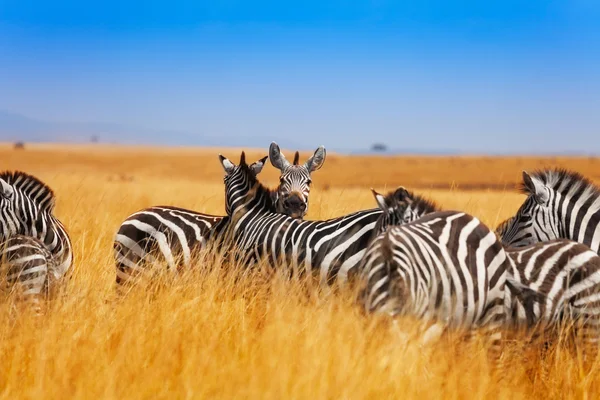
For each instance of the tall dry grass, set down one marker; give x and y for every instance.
(220, 333)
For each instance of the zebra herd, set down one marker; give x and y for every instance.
(537, 270)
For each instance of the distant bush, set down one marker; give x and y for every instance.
(379, 147)
(20, 146)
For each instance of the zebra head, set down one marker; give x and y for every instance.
(395, 206)
(294, 182)
(401, 207)
(537, 220)
(241, 186)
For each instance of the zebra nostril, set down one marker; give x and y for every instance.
(303, 206)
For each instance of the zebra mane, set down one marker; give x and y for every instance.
(563, 181)
(32, 187)
(502, 226)
(257, 185)
(416, 201)
(296, 158)
(423, 204)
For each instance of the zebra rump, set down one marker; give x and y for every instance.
(27, 265)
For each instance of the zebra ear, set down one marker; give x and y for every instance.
(317, 160)
(380, 199)
(536, 188)
(6, 190)
(401, 194)
(228, 166)
(257, 166)
(277, 158)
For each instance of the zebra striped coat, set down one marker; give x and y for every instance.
(26, 208)
(565, 278)
(445, 266)
(546, 282)
(330, 249)
(27, 265)
(171, 235)
(560, 204)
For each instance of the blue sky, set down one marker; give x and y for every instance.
(506, 76)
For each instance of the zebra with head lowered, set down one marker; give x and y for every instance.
(35, 244)
(546, 282)
(560, 204)
(172, 234)
(330, 249)
(436, 265)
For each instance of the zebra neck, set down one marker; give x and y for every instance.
(258, 199)
(580, 225)
(413, 214)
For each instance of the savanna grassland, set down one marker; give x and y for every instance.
(214, 332)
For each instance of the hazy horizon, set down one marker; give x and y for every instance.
(503, 77)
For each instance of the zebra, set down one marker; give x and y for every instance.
(545, 282)
(503, 226)
(330, 249)
(26, 208)
(443, 266)
(294, 182)
(28, 264)
(560, 204)
(564, 277)
(171, 235)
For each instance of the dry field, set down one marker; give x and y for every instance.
(214, 333)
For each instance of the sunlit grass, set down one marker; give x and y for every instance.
(218, 331)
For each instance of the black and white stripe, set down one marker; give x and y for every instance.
(171, 235)
(546, 282)
(26, 208)
(294, 183)
(560, 204)
(27, 265)
(503, 226)
(330, 249)
(445, 266)
(565, 278)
